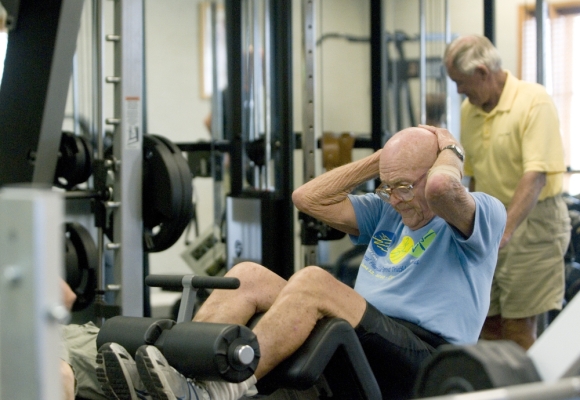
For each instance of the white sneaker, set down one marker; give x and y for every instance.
(162, 380)
(117, 373)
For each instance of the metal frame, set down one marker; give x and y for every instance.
(127, 149)
(31, 309)
(129, 260)
(489, 20)
(38, 67)
(541, 32)
(309, 122)
(379, 134)
(277, 211)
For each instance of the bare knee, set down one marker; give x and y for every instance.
(245, 268)
(492, 328)
(310, 279)
(68, 380)
(254, 276)
(523, 331)
(308, 288)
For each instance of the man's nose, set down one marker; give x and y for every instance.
(394, 199)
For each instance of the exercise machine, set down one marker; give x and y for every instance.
(31, 309)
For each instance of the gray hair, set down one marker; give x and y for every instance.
(466, 53)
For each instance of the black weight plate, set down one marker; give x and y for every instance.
(74, 164)
(164, 210)
(84, 280)
(175, 229)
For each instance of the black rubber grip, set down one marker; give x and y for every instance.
(199, 282)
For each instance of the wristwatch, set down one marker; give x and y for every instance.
(456, 149)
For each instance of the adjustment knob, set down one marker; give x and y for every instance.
(244, 354)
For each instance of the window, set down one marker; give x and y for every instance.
(563, 59)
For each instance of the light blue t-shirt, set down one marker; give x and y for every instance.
(433, 276)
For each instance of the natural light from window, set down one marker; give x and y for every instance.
(562, 81)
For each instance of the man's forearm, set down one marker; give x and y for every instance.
(524, 200)
(321, 197)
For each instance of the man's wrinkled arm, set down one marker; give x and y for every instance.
(444, 191)
(326, 196)
(524, 200)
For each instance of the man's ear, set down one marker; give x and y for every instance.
(481, 72)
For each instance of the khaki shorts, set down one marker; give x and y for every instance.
(529, 277)
(80, 345)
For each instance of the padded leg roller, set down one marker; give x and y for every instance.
(196, 349)
(132, 332)
(211, 351)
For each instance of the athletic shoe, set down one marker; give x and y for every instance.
(117, 373)
(163, 381)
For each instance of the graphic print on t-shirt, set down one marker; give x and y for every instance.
(390, 256)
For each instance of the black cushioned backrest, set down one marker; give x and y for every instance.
(334, 350)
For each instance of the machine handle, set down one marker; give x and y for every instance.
(175, 282)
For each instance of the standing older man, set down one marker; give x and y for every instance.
(511, 135)
(425, 278)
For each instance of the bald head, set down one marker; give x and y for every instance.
(412, 149)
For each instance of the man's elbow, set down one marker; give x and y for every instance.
(298, 198)
(440, 189)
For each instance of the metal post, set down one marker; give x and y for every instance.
(308, 107)
(379, 71)
(99, 120)
(541, 17)
(422, 63)
(489, 20)
(216, 118)
(31, 262)
(278, 213)
(127, 150)
(233, 110)
(75, 96)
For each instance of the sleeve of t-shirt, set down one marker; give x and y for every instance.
(542, 148)
(489, 225)
(368, 209)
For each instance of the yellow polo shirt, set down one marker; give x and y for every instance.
(521, 134)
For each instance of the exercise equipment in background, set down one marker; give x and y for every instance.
(202, 350)
(167, 193)
(75, 161)
(81, 263)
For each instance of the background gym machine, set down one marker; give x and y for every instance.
(127, 193)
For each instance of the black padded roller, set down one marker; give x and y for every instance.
(132, 332)
(211, 351)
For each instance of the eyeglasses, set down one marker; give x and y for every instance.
(402, 192)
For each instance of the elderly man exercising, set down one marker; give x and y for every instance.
(424, 280)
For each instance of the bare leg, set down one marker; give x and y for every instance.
(492, 328)
(291, 309)
(258, 289)
(68, 381)
(310, 295)
(523, 331)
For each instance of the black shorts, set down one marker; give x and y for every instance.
(395, 349)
